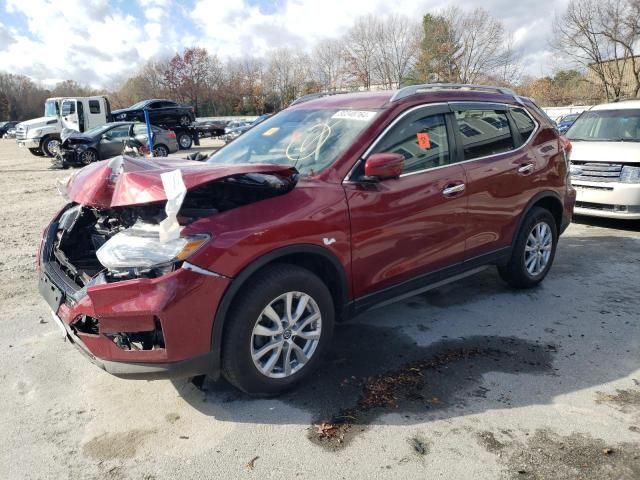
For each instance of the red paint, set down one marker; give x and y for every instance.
(139, 181)
(381, 233)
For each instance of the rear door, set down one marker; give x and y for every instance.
(500, 172)
(407, 227)
(95, 113)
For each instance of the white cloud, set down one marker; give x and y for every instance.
(97, 41)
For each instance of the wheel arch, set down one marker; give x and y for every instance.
(319, 260)
(548, 200)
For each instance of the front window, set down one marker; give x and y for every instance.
(68, 107)
(309, 140)
(95, 131)
(51, 109)
(139, 105)
(607, 126)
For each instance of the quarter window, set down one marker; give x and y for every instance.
(422, 141)
(484, 132)
(524, 122)
(94, 106)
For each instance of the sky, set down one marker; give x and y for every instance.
(101, 42)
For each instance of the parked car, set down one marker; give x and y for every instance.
(11, 133)
(232, 133)
(161, 113)
(6, 126)
(210, 128)
(243, 264)
(565, 122)
(107, 140)
(605, 160)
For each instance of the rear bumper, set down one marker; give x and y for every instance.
(178, 307)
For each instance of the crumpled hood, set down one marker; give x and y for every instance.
(74, 135)
(124, 180)
(615, 152)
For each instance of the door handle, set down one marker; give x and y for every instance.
(451, 190)
(526, 169)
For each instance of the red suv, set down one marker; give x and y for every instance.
(242, 265)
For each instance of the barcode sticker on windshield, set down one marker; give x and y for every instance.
(361, 115)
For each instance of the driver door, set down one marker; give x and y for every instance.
(406, 228)
(111, 142)
(69, 114)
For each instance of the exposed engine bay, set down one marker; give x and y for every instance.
(100, 245)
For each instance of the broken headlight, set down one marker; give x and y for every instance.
(140, 248)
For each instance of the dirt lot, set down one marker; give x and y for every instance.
(469, 381)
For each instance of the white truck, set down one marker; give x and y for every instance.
(42, 135)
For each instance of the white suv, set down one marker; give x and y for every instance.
(605, 160)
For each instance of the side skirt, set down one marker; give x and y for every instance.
(428, 281)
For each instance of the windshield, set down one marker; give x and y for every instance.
(607, 126)
(51, 108)
(138, 105)
(309, 140)
(95, 131)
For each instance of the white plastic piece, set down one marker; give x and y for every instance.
(362, 115)
(175, 190)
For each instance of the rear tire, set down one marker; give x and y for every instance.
(184, 141)
(534, 250)
(304, 333)
(37, 152)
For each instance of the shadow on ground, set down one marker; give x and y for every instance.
(373, 370)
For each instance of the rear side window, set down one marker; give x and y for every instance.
(524, 122)
(94, 106)
(484, 133)
(421, 141)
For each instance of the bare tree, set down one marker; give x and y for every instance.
(361, 50)
(328, 64)
(398, 48)
(603, 36)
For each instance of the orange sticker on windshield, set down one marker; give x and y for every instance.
(271, 131)
(423, 140)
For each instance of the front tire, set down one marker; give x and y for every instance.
(277, 331)
(88, 156)
(534, 250)
(160, 151)
(50, 145)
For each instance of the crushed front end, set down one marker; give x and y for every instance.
(114, 263)
(147, 321)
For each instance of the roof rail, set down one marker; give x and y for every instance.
(414, 89)
(313, 96)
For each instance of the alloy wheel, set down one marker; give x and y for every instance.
(286, 335)
(537, 250)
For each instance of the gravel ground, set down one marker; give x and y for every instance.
(472, 380)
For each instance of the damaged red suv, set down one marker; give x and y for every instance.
(242, 265)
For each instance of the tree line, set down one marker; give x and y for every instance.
(381, 52)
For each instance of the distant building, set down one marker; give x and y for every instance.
(615, 69)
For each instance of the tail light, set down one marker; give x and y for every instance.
(171, 134)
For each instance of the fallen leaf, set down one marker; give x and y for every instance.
(252, 463)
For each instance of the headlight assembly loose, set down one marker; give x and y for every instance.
(139, 247)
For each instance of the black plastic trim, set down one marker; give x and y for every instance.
(422, 282)
(244, 275)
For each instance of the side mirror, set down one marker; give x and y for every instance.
(105, 136)
(381, 166)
